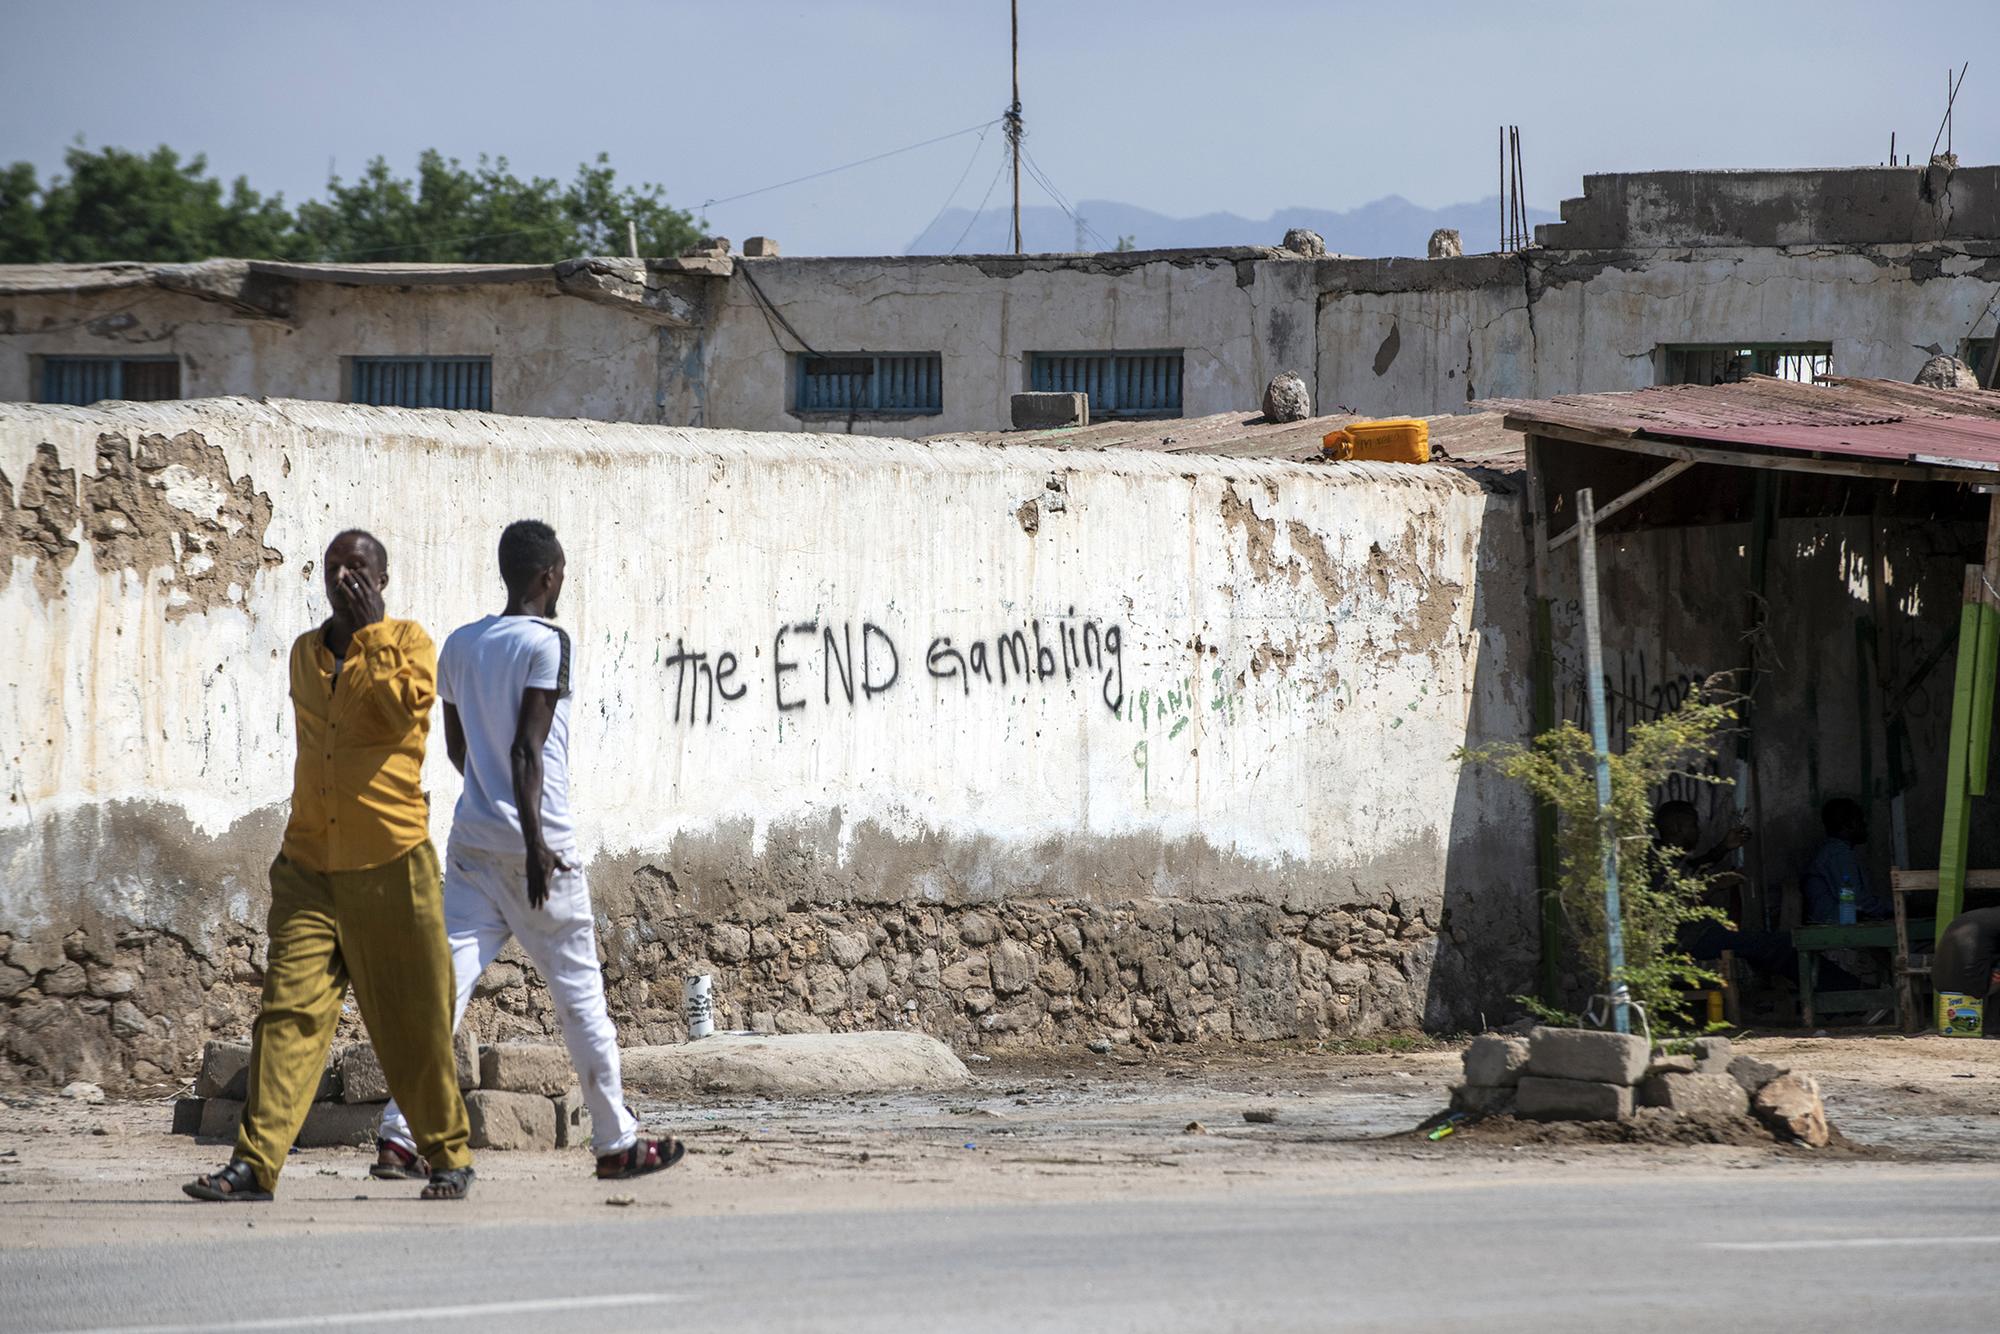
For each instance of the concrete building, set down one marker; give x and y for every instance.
(1650, 278)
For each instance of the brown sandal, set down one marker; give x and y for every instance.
(393, 1162)
(451, 1183)
(235, 1183)
(645, 1156)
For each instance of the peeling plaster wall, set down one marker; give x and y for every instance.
(1187, 684)
(1428, 336)
(553, 355)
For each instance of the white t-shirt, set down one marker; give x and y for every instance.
(482, 672)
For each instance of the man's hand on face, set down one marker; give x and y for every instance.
(543, 863)
(362, 599)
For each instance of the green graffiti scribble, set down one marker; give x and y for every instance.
(1145, 772)
(1178, 725)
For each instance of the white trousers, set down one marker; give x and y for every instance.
(485, 903)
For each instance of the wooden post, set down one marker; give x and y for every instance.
(1953, 839)
(1971, 717)
(1014, 119)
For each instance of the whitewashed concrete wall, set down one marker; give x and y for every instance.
(553, 355)
(1235, 684)
(1404, 336)
(1238, 317)
(1387, 337)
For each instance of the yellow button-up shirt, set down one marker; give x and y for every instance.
(357, 788)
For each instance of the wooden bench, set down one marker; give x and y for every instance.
(1813, 941)
(1902, 884)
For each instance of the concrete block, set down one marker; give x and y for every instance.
(1670, 1065)
(797, 1065)
(1540, 1098)
(572, 1121)
(465, 1050)
(1713, 1055)
(187, 1115)
(220, 1118)
(1482, 1101)
(1494, 1061)
(525, 1067)
(361, 1077)
(332, 1125)
(1587, 1055)
(1686, 1093)
(225, 1070)
(502, 1120)
(1753, 1074)
(1048, 412)
(328, 1124)
(760, 247)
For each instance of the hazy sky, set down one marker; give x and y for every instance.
(1183, 106)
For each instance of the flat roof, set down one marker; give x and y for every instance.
(1472, 440)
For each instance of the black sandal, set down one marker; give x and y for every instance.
(449, 1183)
(645, 1155)
(236, 1182)
(393, 1162)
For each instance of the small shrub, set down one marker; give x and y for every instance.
(1657, 897)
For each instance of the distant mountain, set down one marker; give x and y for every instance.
(1389, 226)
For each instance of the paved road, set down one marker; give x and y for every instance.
(1863, 1249)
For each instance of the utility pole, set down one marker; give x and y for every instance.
(1013, 119)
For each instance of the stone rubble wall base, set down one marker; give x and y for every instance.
(131, 1009)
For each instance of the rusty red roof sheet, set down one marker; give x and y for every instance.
(1881, 421)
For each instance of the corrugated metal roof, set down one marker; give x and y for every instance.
(1876, 421)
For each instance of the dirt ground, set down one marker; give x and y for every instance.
(1054, 1127)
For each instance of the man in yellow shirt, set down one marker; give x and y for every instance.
(355, 891)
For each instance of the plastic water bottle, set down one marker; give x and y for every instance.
(1847, 914)
(698, 1001)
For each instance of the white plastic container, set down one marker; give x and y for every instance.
(698, 1004)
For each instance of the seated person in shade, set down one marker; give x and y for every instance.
(1834, 885)
(1968, 961)
(1677, 830)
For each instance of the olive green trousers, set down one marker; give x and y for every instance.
(383, 929)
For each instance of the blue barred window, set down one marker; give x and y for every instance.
(423, 382)
(1120, 384)
(870, 384)
(91, 379)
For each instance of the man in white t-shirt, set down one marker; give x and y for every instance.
(505, 685)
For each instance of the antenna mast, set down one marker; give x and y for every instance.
(1013, 119)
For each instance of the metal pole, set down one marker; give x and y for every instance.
(1014, 124)
(1600, 742)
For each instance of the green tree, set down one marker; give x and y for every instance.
(1656, 896)
(23, 238)
(117, 205)
(486, 215)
